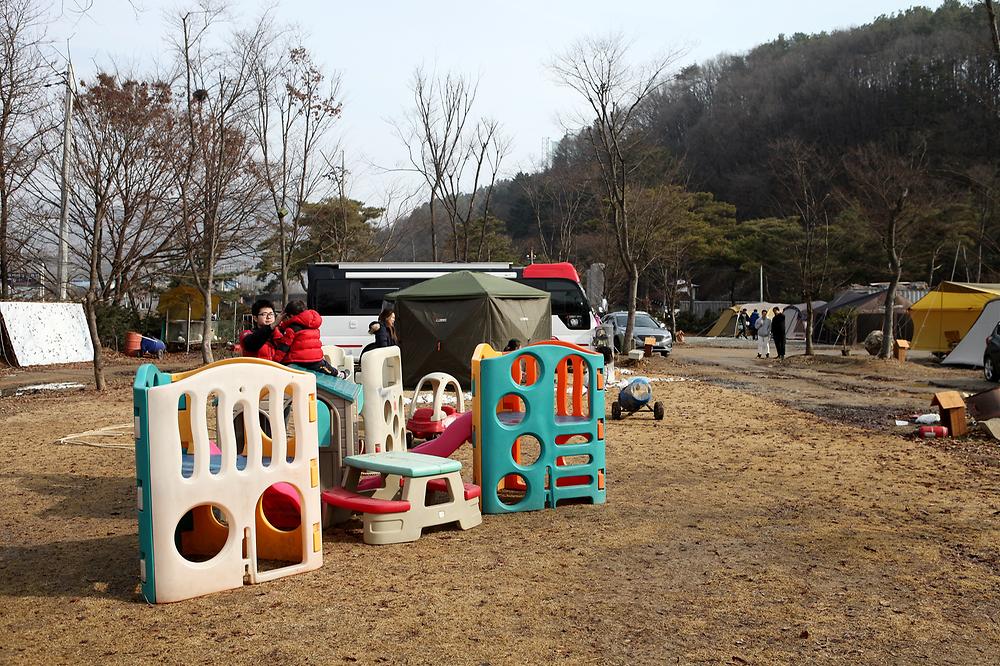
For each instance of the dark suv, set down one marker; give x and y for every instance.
(991, 358)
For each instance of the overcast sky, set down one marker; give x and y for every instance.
(376, 44)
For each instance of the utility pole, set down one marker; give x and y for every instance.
(63, 272)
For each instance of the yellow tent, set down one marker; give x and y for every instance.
(943, 317)
(725, 325)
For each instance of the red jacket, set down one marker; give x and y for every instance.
(266, 350)
(297, 339)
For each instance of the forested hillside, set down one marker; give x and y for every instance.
(793, 149)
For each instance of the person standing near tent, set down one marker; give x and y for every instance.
(763, 328)
(754, 316)
(385, 336)
(778, 332)
(742, 324)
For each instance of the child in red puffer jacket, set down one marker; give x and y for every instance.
(297, 339)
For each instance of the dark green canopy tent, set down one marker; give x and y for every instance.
(440, 321)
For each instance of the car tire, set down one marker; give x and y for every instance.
(990, 370)
(658, 411)
(664, 354)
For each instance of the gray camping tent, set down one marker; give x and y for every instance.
(863, 309)
(440, 321)
(972, 347)
(795, 315)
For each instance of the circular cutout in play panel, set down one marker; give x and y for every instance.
(281, 504)
(511, 410)
(512, 489)
(526, 451)
(202, 533)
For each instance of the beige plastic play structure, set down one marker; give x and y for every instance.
(437, 383)
(343, 362)
(181, 475)
(383, 414)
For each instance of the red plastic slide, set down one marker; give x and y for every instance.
(445, 444)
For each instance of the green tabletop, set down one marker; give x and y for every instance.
(403, 463)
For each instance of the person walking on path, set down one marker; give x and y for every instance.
(778, 332)
(754, 317)
(764, 336)
(742, 324)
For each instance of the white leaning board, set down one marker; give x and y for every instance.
(47, 333)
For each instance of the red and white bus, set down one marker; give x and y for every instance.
(349, 295)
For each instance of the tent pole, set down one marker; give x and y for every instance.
(762, 283)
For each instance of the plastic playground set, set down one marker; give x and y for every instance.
(242, 463)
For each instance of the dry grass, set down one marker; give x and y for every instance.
(736, 531)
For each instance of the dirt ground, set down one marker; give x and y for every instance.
(775, 516)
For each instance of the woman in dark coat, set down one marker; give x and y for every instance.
(385, 336)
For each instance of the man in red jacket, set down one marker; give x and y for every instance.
(297, 339)
(258, 342)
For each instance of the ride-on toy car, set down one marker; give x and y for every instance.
(428, 422)
(634, 397)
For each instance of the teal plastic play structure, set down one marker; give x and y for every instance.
(553, 392)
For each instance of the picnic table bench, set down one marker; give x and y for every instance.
(398, 511)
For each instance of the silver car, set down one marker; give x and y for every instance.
(645, 327)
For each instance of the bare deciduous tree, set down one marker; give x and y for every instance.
(666, 235)
(23, 121)
(559, 196)
(614, 89)
(296, 104)
(120, 210)
(892, 193)
(466, 198)
(217, 193)
(807, 181)
(433, 133)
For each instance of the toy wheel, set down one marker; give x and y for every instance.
(658, 411)
(616, 410)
